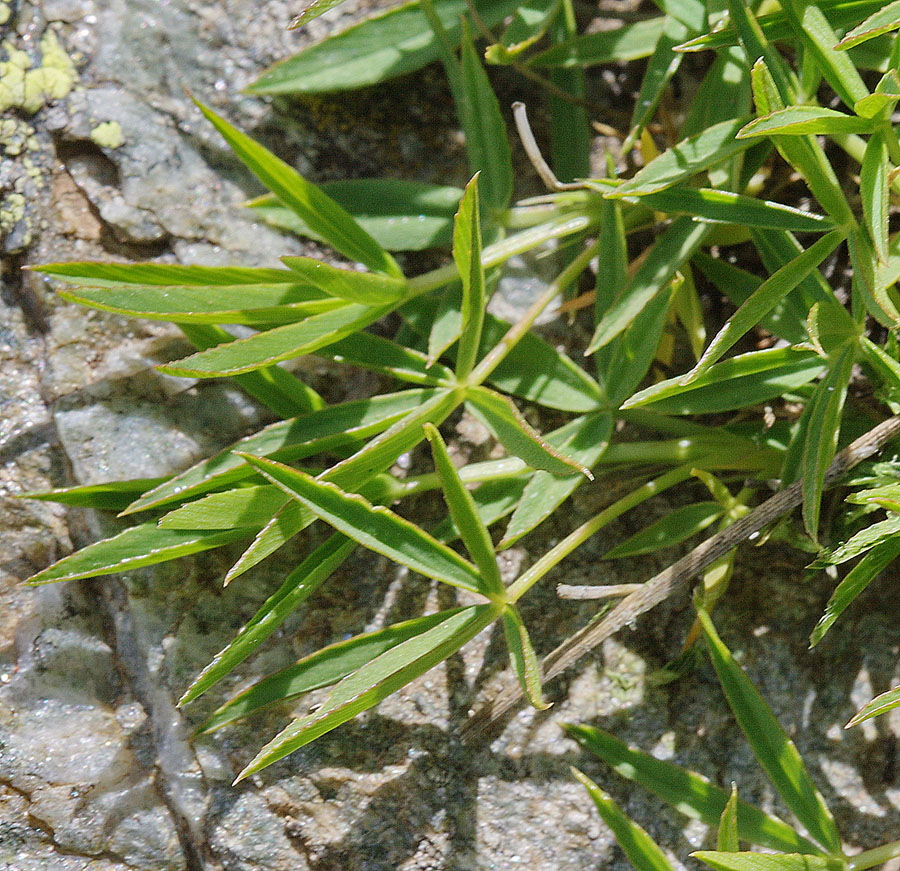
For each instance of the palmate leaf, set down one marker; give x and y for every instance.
(374, 527)
(297, 586)
(323, 668)
(467, 254)
(347, 423)
(378, 679)
(319, 211)
(399, 214)
(386, 45)
(642, 851)
(689, 793)
(465, 516)
(775, 751)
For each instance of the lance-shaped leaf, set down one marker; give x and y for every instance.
(682, 161)
(243, 506)
(311, 11)
(472, 530)
(288, 521)
(493, 501)
(677, 244)
(629, 42)
(318, 210)
(881, 704)
(822, 436)
(376, 680)
(886, 19)
(730, 208)
(297, 586)
(113, 496)
(771, 745)
(727, 833)
(323, 668)
(642, 851)
(868, 283)
(676, 527)
(858, 578)
(374, 527)
(486, 143)
(143, 545)
(816, 35)
(522, 657)
(160, 274)
(365, 287)
(389, 358)
(584, 439)
(528, 25)
(383, 46)
(338, 425)
(399, 214)
(882, 100)
(688, 792)
(767, 861)
(805, 120)
(467, 254)
(769, 293)
(278, 344)
(738, 382)
(502, 417)
(866, 539)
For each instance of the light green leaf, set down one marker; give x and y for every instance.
(467, 255)
(465, 516)
(376, 680)
(346, 423)
(691, 13)
(288, 521)
(365, 287)
(677, 526)
(162, 274)
(874, 190)
(641, 850)
(771, 745)
(502, 417)
(522, 657)
(374, 527)
(677, 244)
(312, 10)
(383, 46)
(769, 293)
(278, 344)
(528, 25)
(738, 382)
(689, 793)
(143, 545)
(858, 578)
(864, 540)
(727, 835)
(113, 496)
(214, 304)
(882, 100)
(584, 439)
(297, 586)
(493, 501)
(447, 324)
(886, 19)
(323, 668)
(381, 355)
(319, 211)
(868, 283)
(767, 861)
(629, 42)
(244, 506)
(805, 120)
(695, 154)
(881, 704)
(399, 214)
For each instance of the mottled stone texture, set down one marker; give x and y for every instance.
(97, 769)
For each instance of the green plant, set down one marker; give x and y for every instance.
(664, 233)
(694, 796)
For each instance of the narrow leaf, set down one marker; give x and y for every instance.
(364, 287)
(864, 540)
(886, 19)
(727, 835)
(771, 745)
(113, 496)
(389, 358)
(467, 255)
(881, 704)
(522, 658)
(115, 274)
(245, 506)
(629, 42)
(318, 210)
(767, 861)
(677, 526)
(640, 849)
(805, 120)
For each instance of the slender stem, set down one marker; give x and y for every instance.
(873, 857)
(475, 473)
(498, 353)
(576, 538)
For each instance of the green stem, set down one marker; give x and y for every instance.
(575, 539)
(876, 856)
(498, 353)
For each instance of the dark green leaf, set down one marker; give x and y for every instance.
(467, 255)
(677, 526)
(767, 861)
(630, 42)
(113, 496)
(727, 835)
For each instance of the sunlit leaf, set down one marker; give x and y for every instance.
(522, 657)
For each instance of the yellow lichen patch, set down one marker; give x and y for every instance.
(30, 89)
(12, 77)
(108, 134)
(12, 210)
(5, 13)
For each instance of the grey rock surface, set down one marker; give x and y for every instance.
(98, 771)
